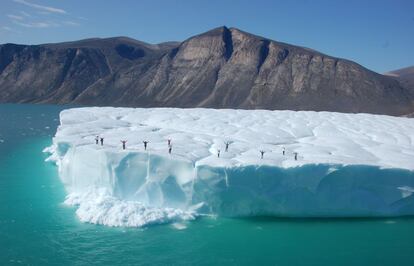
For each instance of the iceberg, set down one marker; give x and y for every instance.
(346, 165)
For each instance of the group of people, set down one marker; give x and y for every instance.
(97, 140)
(227, 143)
(145, 142)
(262, 152)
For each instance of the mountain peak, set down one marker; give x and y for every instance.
(213, 32)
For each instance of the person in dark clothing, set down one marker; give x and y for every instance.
(218, 153)
(145, 144)
(169, 142)
(296, 156)
(262, 153)
(97, 140)
(123, 144)
(227, 145)
(284, 151)
(169, 149)
(102, 139)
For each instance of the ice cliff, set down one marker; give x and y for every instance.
(348, 165)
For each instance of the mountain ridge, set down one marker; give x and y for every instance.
(404, 75)
(220, 68)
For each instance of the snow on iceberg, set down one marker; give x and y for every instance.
(348, 165)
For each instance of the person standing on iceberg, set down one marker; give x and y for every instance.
(262, 152)
(102, 139)
(169, 149)
(123, 144)
(227, 145)
(145, 144)
(296, 156)
(97, 140)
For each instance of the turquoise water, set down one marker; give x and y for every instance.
(36, 229)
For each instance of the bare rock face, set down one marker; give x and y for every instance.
(222, 68)
(405, 76)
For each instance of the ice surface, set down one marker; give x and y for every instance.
(348, 164)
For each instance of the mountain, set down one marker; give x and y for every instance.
(405, 76)
(222, 68)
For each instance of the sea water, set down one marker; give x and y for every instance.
(37, 229)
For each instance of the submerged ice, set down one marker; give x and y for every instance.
(347, 164)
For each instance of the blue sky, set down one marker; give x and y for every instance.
(377, 34)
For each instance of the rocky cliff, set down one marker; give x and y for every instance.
(222, 68)
(405, 76)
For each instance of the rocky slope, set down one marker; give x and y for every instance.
(405, 76)
(222, 68)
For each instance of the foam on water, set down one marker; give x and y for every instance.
(348, 164)
(100, 207)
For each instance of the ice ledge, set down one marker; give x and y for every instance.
(198, 134)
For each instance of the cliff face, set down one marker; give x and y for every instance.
(222, 68)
